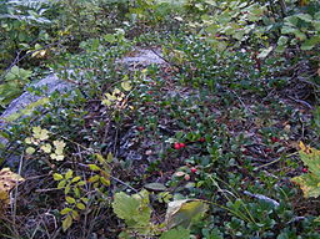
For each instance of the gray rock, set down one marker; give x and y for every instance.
(144, 57)
(52, 83)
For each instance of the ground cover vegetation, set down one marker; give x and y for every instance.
(219, 141)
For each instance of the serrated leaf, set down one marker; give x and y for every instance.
(59, 146)
(133, 209)
(180, 233)
(46, 148)
(309, 184)
(41, 134)
(184, 212)
(57, 157)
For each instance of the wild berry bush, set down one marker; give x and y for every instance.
(204, 145)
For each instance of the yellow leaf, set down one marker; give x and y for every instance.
(8, 180)
(46, 148)
(126, 86)
(39, 133)
(30, 150)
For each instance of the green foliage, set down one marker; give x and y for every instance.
(40, 139)
(218, 122)
(309, 182)
(13, 84)
(179, 233)
(136, 212)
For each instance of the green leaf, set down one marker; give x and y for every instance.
(61, 184)
(126, 86)
(310, 43)
(67, 189)
(69, 174)
(283, 40)
(104, 181)
(264, 53)
(75, 215)
(81, 206)
(125, 206)
(309, 183)
(305, 17)
(46, 148)
(180, 233)
(41, 134)
(17, 73)
(76, 192)
(70, 200)
(65, 211)
(81, 183)
(184, 212)
(157, 187)
(67, 222)
(94, 167)
(57, 177)
(133, 209)
(30, 150)
(75, 179)
(94, 179)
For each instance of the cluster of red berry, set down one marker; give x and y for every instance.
(179, 145)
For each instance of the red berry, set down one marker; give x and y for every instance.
(275, 139)
(193, 170)
(305, 170)
(150, 92)
(140, 128)
(202, 140)
(267, 150)
(177, 145)
(246, 152)
(182, 145)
